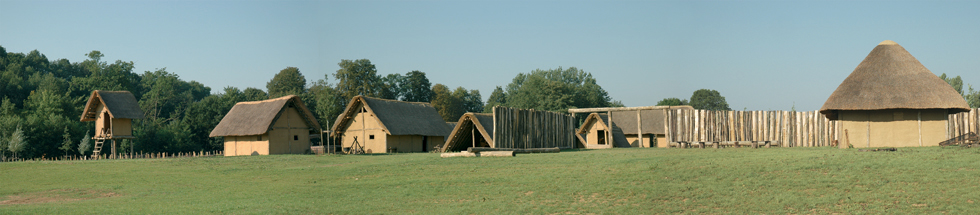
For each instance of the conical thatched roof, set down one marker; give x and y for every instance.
(890, 78)
(256, 117)
(121, 105)
(396, 117)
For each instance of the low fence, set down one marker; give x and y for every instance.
(779, 128)
(138, 155)
(964, 123)
(523, 128)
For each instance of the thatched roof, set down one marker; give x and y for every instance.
(121, 105)
(461, 137)
(257, 117)
(891, 78)
(396, 117)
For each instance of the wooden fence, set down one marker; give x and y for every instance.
(522, 128)
(963, 123)
(778, 128)
(137, 155)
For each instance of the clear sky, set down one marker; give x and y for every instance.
(761, 55)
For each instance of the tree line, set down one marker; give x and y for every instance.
(41, 100)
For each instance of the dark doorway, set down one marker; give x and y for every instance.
(602, 137)
(425, 143)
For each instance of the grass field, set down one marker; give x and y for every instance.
(613, 181)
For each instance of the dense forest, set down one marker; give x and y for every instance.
(42, 100)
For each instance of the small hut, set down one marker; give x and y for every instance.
(372, 125)
(113, 113)
(472, 130)
(892, 100)
(276, 126)
(630, 126)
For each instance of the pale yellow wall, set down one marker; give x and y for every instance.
(362, 126)
(289, 134)
(414, 143)
(122, 127)
(662, 141)
(247, 145)
(99, 120)
(893, 128)
(634, 141)
(591, 133)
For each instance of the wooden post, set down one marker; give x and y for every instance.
(609, 128)
(639, 129)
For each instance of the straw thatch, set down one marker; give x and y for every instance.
(891, 78)
(120, 105)
(257, 117)
(461, 137)
(396, 117)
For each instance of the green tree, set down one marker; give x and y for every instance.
(358, 77)
(448, 106)
(392, 87)
(83, 145)
(328, 103)
(672, 102)
(706, 99)
(956, 83)
(556, 90)
(289, 81)
(496, 98)
(472, 101)
(254, 94)
(66, 143)
(972, 97)
(17, 142)
(416, 87)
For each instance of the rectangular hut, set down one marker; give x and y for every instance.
(276, 126)
(513, 128)
(372, 125)
(113, 113)
(628, 126)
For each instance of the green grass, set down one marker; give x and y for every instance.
(616, 181)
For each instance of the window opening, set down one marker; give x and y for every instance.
(371, 137)
(295, 137)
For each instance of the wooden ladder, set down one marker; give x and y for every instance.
(98, 147)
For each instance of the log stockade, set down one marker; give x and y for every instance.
(524, 129)
(708, 128)
(963, 123)
(137, 155)
(518, 151)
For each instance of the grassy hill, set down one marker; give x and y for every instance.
(619, 181)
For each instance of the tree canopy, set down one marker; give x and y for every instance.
(706, 99)
(556, 90)
(672, 102)
(288, 81)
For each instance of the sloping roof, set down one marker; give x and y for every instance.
(256, 117)
(619, 138)
(397, 117)
(461, 138)
(891, 78)
(121, 105)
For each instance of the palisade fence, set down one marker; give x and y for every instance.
(777, 128)
(523, 128)
(964, 123)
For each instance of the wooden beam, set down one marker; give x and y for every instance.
(608, 109)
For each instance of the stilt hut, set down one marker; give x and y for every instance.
(628, 126)
(372, 125)
(276, 126)
(472, 130)
(113, 113)
(892, 100)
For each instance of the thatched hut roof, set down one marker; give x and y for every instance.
(396, 117)
(891, 78)
(653, 120)
(461, 136)
(121, 105)
(257, 117)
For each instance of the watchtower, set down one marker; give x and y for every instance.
(113, 113)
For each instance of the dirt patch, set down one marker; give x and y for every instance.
(60, 195)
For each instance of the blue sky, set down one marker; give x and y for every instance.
(761, 55)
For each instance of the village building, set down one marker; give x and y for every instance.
(892, 100)
(372, 125)
(629, 126)
(113, 113)
(472, 130)
(276, 126)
